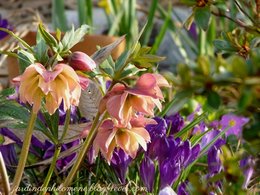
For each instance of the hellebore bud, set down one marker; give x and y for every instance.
(81, 61)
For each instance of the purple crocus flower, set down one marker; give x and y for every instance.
(157, 130)
(234, 123)
(192, 115)
(210, 136)
(182, 188)
(147, 173)
(120, 162)
(9, 156)
(62, 163)
(178, 156)
(214, 163)
(175, 123)
(4, 24)
(169, 172)
(247, 165)
(167, 191)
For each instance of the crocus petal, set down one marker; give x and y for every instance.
(147, 173)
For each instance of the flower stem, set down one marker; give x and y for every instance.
(56, 153)
(81, 154)
(24, 153)
(51, 169)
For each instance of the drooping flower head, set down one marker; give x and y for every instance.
(55, 86)
(123, 102)
(110, 136)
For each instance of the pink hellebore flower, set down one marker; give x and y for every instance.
(61, 83)
(111, 136)
(122, 102)
(81, 61)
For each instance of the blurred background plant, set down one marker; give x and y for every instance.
(212, 51)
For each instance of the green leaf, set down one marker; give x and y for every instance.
(202, 17)
(221, 45)
(13, 114)
(121, 61)
(204, 65)
(49, 39)
(103, 53)
(189, 21)
(213, 99)
(238, 66)
(174, 105)
(245, 99)
(25, 59)
(72, 37)
(130, 71)
(59, 19)
(7, 92)
(191, 125)
(148, 29)
(107, 68)
(41, 49)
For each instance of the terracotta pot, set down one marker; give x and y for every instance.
(88, 46)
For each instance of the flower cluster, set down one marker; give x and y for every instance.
(127, 108)
(172, 154)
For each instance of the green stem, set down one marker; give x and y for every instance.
(56, 153)
(24, 154)
(17, 38)
(51, 169)
(66, 125)
(81, 154)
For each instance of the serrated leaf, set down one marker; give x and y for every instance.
(202, 17)
(89, 101)
(102, 54)
(72, 37)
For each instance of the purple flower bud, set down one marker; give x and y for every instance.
(185, 152)
(157, 130)
(169, 172)
(120, 162)
(147, 173)
(193, 154)
(214, 163)
(176, 123)
(247, 165)
(81, 61)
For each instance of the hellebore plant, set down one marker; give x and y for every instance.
(130, 132)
